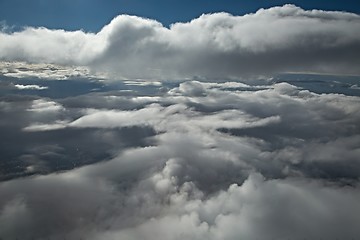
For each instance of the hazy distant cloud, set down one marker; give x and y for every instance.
(43, 71)
(279, 39)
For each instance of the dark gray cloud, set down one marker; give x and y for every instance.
(279, 39)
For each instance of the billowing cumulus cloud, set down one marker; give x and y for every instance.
(279, 39)
(159, 205)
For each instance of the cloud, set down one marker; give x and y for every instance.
(45, 127)
(32, 87)
(219, 45)
(41, 105)
(159, 205)
(195, 160)
(176, 115)
(277, 129)
(110, 119)
(43, 71)
(256, 209)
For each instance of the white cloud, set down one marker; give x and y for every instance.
(113, 119)
(36, 127)
(42, 105)
(279, 39)
(140, 82)
(175, 117)
(43, 71)
(32, 87)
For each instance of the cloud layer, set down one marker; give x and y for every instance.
(279, 39)
(193, 160)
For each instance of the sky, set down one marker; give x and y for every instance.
(92, 15)
(179, 120)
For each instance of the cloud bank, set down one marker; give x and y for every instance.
(219, 45)
(194, 160)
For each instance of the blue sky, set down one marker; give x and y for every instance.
(91, 15)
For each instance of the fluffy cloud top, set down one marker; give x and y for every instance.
(279, 39)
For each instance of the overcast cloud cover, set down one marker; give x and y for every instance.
(147, 157)
(279, 39)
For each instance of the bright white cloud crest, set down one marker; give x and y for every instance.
(279, 39)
